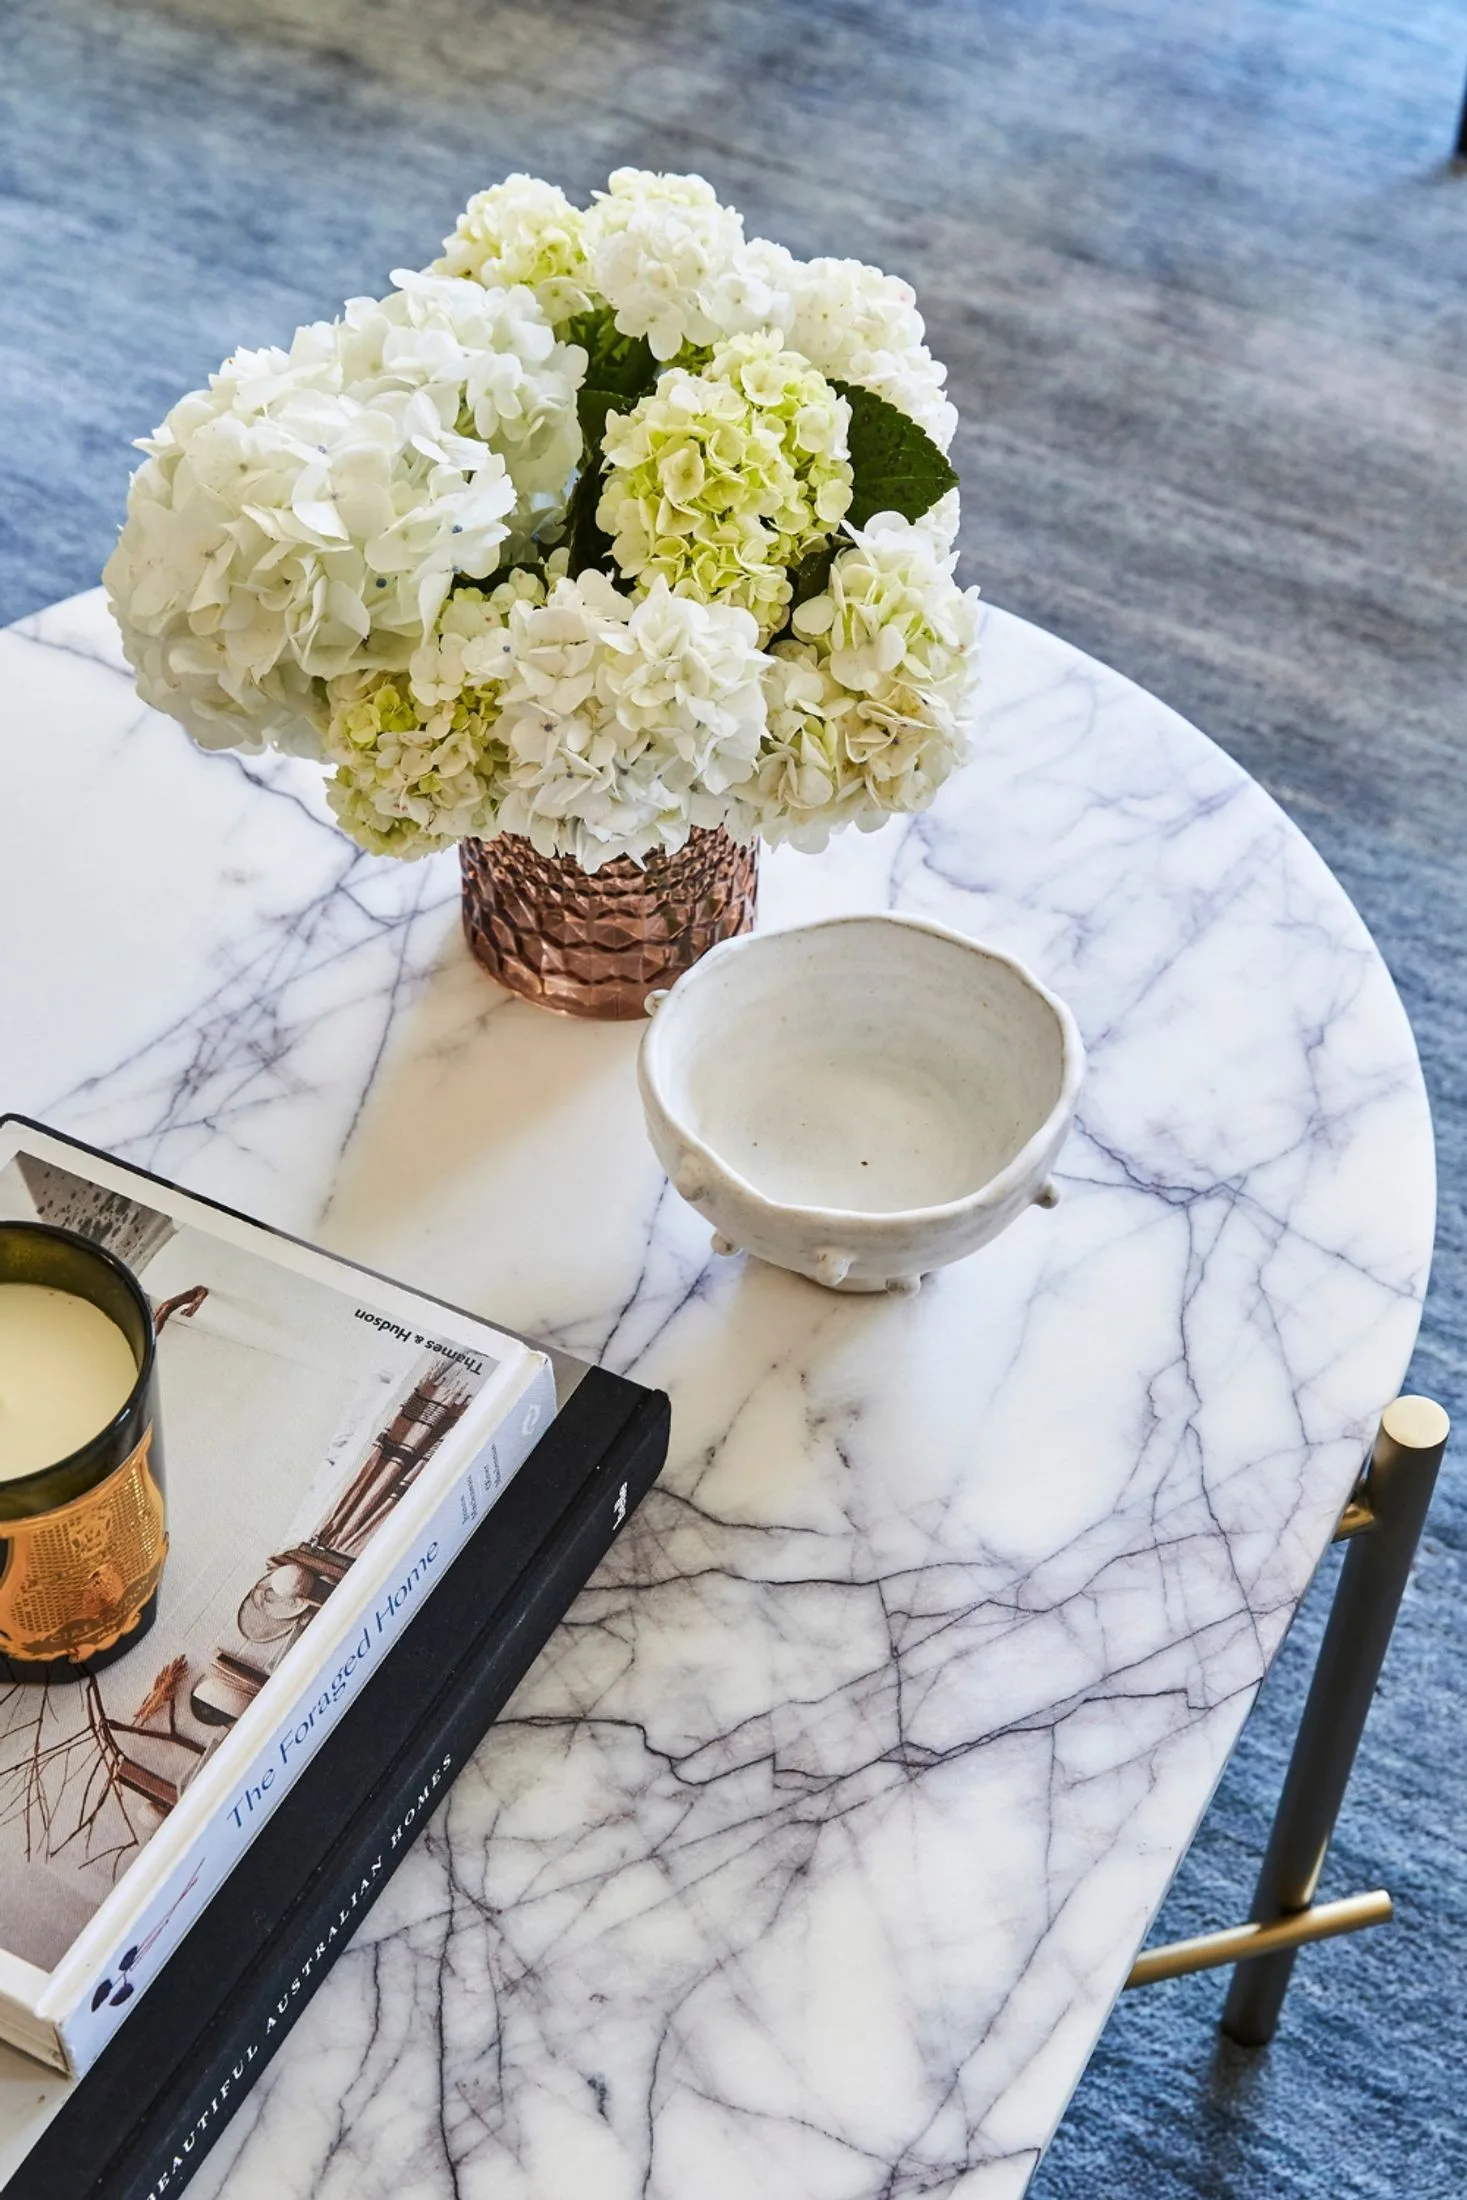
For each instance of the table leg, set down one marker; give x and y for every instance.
(1383, 1525)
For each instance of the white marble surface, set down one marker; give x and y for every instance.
(809, 1859)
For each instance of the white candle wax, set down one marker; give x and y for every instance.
(65, 1370)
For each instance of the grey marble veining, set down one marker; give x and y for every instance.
(811, 1855)
(1199, 273)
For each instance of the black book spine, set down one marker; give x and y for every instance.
(473, 1672)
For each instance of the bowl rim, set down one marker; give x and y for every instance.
(990, 1194)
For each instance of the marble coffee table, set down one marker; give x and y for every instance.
(809, 1859)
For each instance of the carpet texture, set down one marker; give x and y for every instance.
(1199, 269)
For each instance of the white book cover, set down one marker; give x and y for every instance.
(329, 1443)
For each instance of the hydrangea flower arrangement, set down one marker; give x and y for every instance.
(610, 525)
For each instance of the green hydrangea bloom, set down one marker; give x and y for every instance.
(418, 755)
(721, 479)
(868, 700)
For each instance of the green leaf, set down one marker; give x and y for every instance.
(895, 465)
(619, 370)
(589, 547)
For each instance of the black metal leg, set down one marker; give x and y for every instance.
(1462, 131)
(1384, 1532)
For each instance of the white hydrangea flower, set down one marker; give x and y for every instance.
(867, 703)
(672, 263)
(283, 530)
(307, 513)
(469, 647)
(595, 726)
(804, 787)
(524, 231)
(858, 325)
(626, 722)
(487, 360)
(940, 522)
(752, 292)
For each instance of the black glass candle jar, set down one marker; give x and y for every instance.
(83, 1540)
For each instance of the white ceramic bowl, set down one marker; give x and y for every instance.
(861, 1100)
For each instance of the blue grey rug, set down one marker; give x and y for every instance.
(1198, 269)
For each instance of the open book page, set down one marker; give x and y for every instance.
(294, 1417)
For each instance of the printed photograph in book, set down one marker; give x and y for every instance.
(295, 1419)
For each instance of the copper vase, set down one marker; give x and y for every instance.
(596, 943)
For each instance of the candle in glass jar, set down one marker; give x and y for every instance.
(66, 1370)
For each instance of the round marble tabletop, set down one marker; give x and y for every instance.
(811, 1855)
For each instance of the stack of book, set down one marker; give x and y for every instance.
(379, 1507)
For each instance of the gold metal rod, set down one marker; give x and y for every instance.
(1398, 1484)
(1236, 1943)
(1357, 1516)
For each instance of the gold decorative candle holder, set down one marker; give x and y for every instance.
(83, 1541)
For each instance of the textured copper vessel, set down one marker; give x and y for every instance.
(597, 943)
